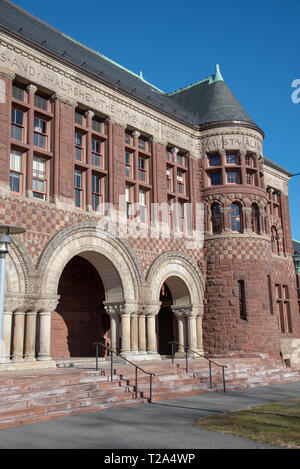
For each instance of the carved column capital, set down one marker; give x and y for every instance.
(64, 99)
(7, 74)
(12, 305)
(136, 134)
(31, 89)
(113, 309)
(151, 310)
(89, 114)
(47, 305)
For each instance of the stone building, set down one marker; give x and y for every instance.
(84, 141)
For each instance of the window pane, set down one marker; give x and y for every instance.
(18, 93)
(15, 182)
(40, 102)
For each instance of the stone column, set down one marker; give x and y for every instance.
(113, 312)
(134, 333)
(10, 306)
(199, 319)
(7, 329)
(18, 336)
(125, 313)
(30, 335)
(179, 314)
(45, 309)
(142, 332)
(191, 329)
(151, 313)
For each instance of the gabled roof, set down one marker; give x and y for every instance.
(205, 102)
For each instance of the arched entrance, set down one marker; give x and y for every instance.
(80, 318)
(166, 327)
(82, 252)
(175, 276)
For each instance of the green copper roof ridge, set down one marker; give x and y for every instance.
(139, 76)
(188, 86)
(211, 79)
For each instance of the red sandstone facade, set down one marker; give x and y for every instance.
(61, 159)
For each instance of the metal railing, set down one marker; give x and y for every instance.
(187, 350)
(111, 354)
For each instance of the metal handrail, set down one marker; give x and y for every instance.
(188, 349)
(112, 352)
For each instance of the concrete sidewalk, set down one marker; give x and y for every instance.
(163, 425)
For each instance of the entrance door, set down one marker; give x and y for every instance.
(80, 318)
(165, 322)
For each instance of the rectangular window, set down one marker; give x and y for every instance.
(181, 182)
(250, 179)
(128, 194)
(39, 178)
(127, 138)
(231, 158)
(181, 216)
(215, 179)
(214, 160)
(143, 169)
(40, 133)
(96, 125)
(40, 102)
(170, 214)
(232, 177)
(17, 126)
(97, 193)
(181, 160)
(242, 300)
(78, 118)
(18, 93)
(142, 143)
(79, 151)
(248, 160)
(283, 309)
(169, 176)
(270, 294)
(128, 165)
(97, 158)
(143, 206)
(78, 186)
(16, 172)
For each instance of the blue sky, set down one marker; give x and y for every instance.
(176, 43)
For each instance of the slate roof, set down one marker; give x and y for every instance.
(296, 247)
(205, 102)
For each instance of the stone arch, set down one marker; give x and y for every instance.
(112, 258)
(182, 276)
(18, 270)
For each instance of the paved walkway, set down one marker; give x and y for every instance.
(163, 425)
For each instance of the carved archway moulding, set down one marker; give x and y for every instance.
(84, 239)
(176, 265)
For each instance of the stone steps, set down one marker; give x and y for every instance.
(48, 394)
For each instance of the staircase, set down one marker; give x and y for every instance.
(28, 397)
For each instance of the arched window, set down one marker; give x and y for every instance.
(255, 225)
(275, 241)
(216, 219)
(236, 218)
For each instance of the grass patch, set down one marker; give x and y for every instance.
(276, 424)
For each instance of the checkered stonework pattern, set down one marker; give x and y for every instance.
(236, 249)
(42, 221)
